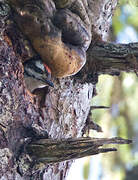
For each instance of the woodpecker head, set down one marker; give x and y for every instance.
(36, 74)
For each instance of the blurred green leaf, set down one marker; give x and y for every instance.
(86, 169)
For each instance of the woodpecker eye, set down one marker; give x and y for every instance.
(31, 66)
(38, 67)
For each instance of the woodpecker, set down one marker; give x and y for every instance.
(36, 74)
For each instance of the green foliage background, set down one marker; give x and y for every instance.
(121, 94)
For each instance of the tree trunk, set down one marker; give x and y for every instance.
(62, 111)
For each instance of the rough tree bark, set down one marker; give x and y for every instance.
(64, 111)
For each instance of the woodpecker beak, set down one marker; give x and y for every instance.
(49, 83)
(45, 79)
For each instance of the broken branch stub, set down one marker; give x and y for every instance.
(51, 151)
